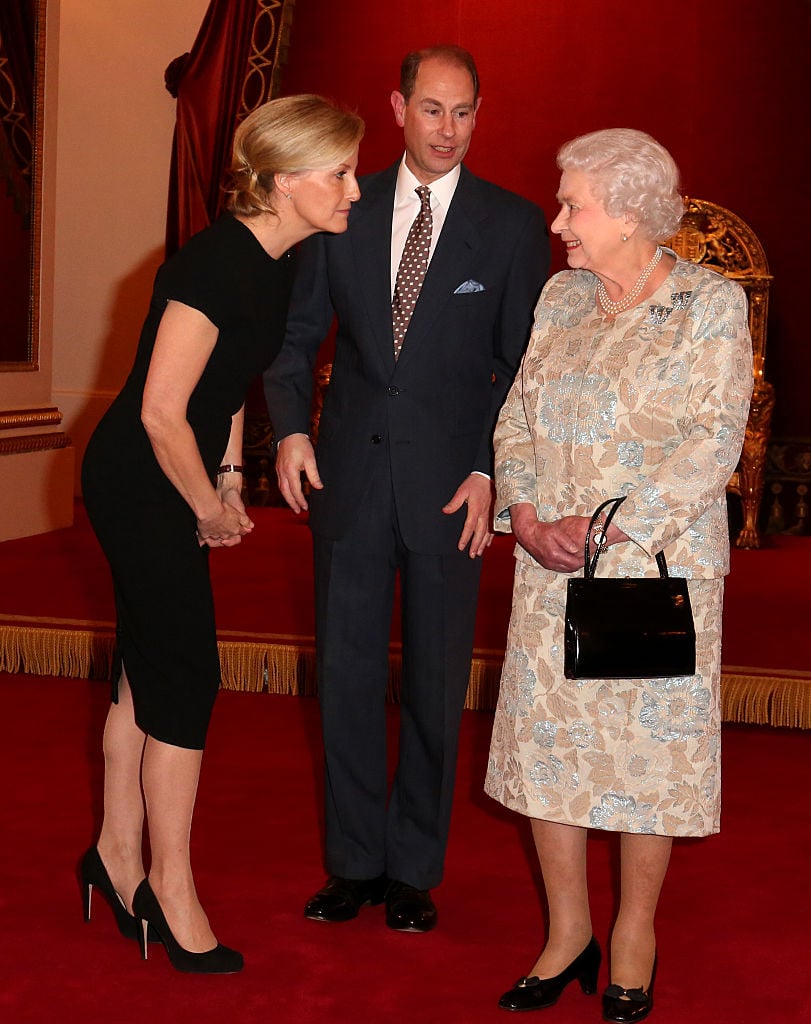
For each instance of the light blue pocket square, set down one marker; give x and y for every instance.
(469, 286)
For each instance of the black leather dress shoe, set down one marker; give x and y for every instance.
(538, 993)
(409, 909)
(340, 899)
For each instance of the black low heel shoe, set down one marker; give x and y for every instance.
(220, 960)
(627, 1005)
(92, 872)
(539, 993)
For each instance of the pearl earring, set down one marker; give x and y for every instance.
(625, 238)
(288, 195)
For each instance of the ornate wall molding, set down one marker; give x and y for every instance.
(28, 443)
(17, 136)
(20, 419)
(270, 39)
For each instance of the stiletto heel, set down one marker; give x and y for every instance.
(92, 872)
(628, 1005)
(538, 993)
(220, 960)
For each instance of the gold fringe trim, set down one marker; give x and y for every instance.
(485, 677)
(79, 654)
(778, 699)
(284, 665)
(275, 668)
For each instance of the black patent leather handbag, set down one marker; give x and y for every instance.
(626, 628)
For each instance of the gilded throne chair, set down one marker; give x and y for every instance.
(718, 238)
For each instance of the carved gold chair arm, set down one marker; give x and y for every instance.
(715, 237)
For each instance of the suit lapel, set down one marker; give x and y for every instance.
(460, 238)
(370, 236)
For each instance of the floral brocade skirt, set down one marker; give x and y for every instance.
(624, 755)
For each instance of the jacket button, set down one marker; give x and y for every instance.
(376, 439)
(393, 390)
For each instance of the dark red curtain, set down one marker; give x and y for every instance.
(231, 69)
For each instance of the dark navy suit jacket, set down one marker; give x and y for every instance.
(428, 416)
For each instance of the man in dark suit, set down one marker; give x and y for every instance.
(400, 478)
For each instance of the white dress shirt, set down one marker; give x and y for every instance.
(407, 206)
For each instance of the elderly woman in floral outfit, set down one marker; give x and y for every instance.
(636, 382)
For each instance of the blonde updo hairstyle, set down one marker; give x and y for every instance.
(287, 136)
(630, 173)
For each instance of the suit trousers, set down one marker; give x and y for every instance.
(369, 828)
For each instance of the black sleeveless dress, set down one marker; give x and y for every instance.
(166, 635)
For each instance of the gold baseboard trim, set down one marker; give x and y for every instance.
(770, 673)
(281, 664)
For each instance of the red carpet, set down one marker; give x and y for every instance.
(732, 928)
(56, 615)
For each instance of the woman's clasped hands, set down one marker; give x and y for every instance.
(559, 545)
(225, 527)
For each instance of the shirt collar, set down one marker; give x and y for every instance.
(442, 189)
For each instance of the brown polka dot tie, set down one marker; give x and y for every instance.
(411, 272)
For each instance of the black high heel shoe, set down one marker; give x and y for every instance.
(628, 1005)
(92, 872)
(220, 960)
(538, 993)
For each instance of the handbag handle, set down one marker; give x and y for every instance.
(590, 562)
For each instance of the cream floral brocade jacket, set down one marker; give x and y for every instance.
(652, 406)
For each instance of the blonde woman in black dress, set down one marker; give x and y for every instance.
(162, 480)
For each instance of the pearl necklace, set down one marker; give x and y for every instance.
(627, 300)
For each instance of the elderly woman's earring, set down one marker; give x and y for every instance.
(288, 195)
(625, 238)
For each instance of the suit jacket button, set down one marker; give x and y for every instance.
(393, 390)
(376, 439)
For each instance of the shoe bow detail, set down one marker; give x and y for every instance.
(635, 995)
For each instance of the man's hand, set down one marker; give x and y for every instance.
(294, 455)
(477, 492)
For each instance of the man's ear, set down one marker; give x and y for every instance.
(476, 106)
(398, 104)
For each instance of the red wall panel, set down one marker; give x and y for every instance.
(725, 85)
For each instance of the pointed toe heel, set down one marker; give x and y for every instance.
(220, 960)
